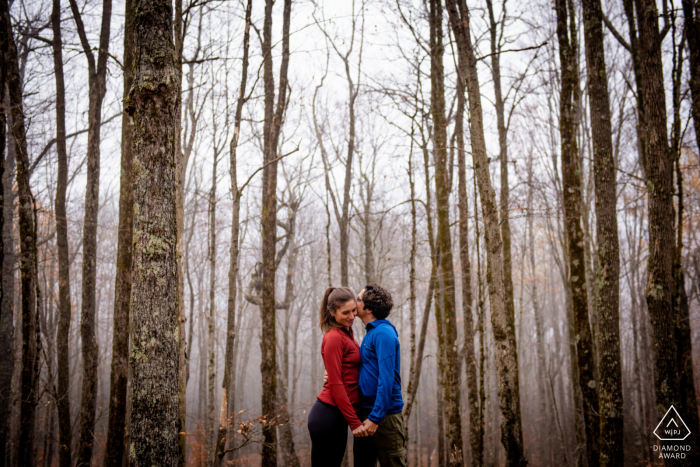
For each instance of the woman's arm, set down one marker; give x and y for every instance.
(333, 360)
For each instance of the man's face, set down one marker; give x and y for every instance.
(361, 312)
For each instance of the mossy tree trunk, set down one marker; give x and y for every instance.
(572, 198)
(607, 286)
(27, 234)
(502, 324)
(658, 164)
(153, 106)
(448, 361)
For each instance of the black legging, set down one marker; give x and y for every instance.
(329, 435)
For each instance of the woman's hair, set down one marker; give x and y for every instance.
(377, 300)
(333, 298)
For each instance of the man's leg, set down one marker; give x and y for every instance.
(389, 441)
(363, 449)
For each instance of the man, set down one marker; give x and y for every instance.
(380, 384)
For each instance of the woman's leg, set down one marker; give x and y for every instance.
(329, 435)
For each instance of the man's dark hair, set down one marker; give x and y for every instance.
(377, 300)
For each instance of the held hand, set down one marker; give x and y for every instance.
(370, 426)
(360, 432)
(325, 377)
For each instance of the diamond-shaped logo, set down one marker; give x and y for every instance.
(672, 427)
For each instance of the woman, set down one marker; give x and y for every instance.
(335, 407)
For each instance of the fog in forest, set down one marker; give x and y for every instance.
(182, 181)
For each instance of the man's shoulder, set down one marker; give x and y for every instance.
(386, 333)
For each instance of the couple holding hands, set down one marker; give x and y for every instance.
(363, 385)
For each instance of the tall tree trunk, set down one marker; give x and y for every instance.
(229, 364)
(97, 79)
(503, 151)
(7, 307)
(153, 106)
(691, 14)
(502, 324)
(64, 300)
(274, 115)
(607, 286)
(116, 428)
(211, 363)
(181, 160)
(659, 176)
(6, 326)
(475, 439)
(571, 192)
(449, 364)
(27, 242)
(417, 362)
(539, 331)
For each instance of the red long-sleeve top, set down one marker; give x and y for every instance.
(341, 356)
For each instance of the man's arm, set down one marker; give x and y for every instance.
(385, 346)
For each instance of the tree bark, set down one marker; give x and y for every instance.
(475, 439)
(229, 364)
(116, 428)
(691, 14)
(659, 177)
(503, 151)
(571, 192)
(274, 115)
(153, 106)
(539, 331)
(27, 243)
(6, 325)
(64, 301)
(607, 285)
(211, 363)
(97, 79)
(449, 363)
(502, 325)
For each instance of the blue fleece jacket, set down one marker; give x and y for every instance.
(380, 373)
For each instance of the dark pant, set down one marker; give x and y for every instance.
(386, 445)
(329, 435)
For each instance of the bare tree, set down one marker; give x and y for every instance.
(236, 193)
(449, 361)
(6, 326)
(122, 300)
(29, 356)
(506, 352)
(97, 73)
(274, 117)
(342, 211)
(607, 289)
(658, 165)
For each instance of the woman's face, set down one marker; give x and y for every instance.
(345, 314)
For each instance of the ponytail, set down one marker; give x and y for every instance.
(333, 298)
